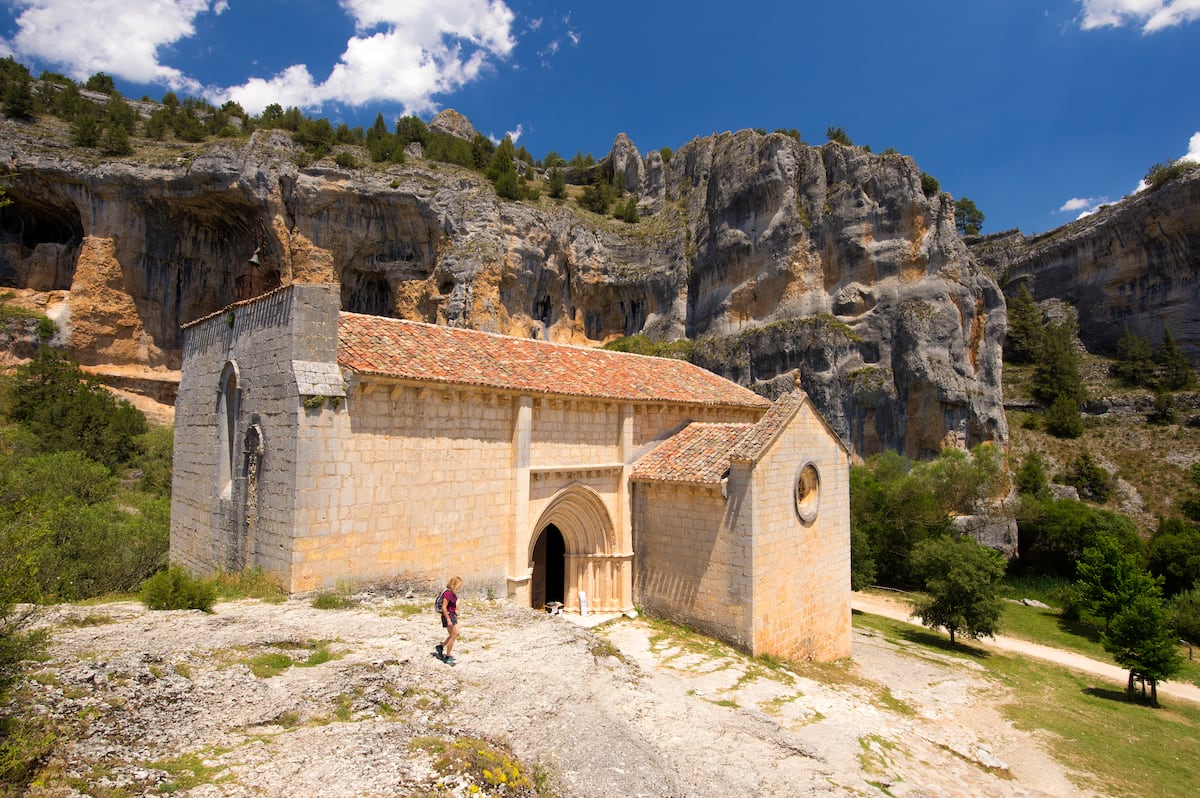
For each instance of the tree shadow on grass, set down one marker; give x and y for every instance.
(1110, 694)
(1077, 627)
(941, 642)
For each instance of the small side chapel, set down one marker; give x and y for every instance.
(325, 446)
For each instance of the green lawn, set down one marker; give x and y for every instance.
(1121, 747)
(1048, 627)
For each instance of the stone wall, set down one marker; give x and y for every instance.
(248, 440)
(425, 489)
(692, 565)
(801, 568)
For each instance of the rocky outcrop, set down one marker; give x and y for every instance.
(774, 257)
(1135, 264)
(453, 123)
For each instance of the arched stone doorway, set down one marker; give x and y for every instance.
(591, 562)
(548, 582)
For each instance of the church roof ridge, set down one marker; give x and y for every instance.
(455, 355)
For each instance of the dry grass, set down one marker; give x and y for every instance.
(1152, 458)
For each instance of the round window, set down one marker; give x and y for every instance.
(808, 493)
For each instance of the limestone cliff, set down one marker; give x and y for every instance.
(1134, 263)
(773, 256)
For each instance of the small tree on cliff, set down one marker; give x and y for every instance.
(838, 135)
(961, 578)
(967, 217)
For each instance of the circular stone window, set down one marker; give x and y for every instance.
(808, 493)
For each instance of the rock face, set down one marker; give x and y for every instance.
(774, 257)
(1134, 263)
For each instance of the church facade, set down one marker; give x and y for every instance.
(326, 447)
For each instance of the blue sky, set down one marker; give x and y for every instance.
(1036, 111)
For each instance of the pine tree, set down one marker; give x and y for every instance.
(115, 140)
(1177, 374)
(558, 186)
(1024, 328)
(1135, 360)
(85, 129)
(1056, 371)
(18, 97)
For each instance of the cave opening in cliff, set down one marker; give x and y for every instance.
(30, 225)
(367, 293)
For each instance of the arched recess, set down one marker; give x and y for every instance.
(228, 397)
(592, 563)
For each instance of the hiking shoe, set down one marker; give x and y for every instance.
(449, 660)
(438, 649)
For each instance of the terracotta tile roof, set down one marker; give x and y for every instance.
(697, 453)
(766, 428)
(451, 355)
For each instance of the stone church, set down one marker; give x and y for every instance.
(326, 446)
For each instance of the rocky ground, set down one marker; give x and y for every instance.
(261, 699)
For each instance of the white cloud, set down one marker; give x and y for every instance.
(1086, 206)
(1151, 15)
(406, 53)
(1193, 153)
(1079, 204)
(116, 37)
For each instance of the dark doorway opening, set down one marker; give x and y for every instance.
(549, 568)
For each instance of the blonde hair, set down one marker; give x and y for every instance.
(455, 583)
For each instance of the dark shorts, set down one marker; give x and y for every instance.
(453, 621)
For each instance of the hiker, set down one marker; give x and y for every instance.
(449, 607)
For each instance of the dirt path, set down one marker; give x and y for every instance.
(629, 709)
(900, 610)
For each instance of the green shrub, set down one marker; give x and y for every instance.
(929, 185)
(838, 135)
(1063, 419)
(1185, 615)
(1162, 173)
(251, 583)
(333, 601)
(52, 398)
(176, 589)
(1093, 481)
(1052, 535)
(346, 161)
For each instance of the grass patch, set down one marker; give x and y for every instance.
(91, 619)
(186, 771)
(1118, 747)
(252, 583)
(1049, 628)
(340, 599)
(277, 658)
(601, 648)
(265, 666)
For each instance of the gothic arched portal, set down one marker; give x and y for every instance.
(591, 566)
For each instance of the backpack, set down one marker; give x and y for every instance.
(437, 602)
